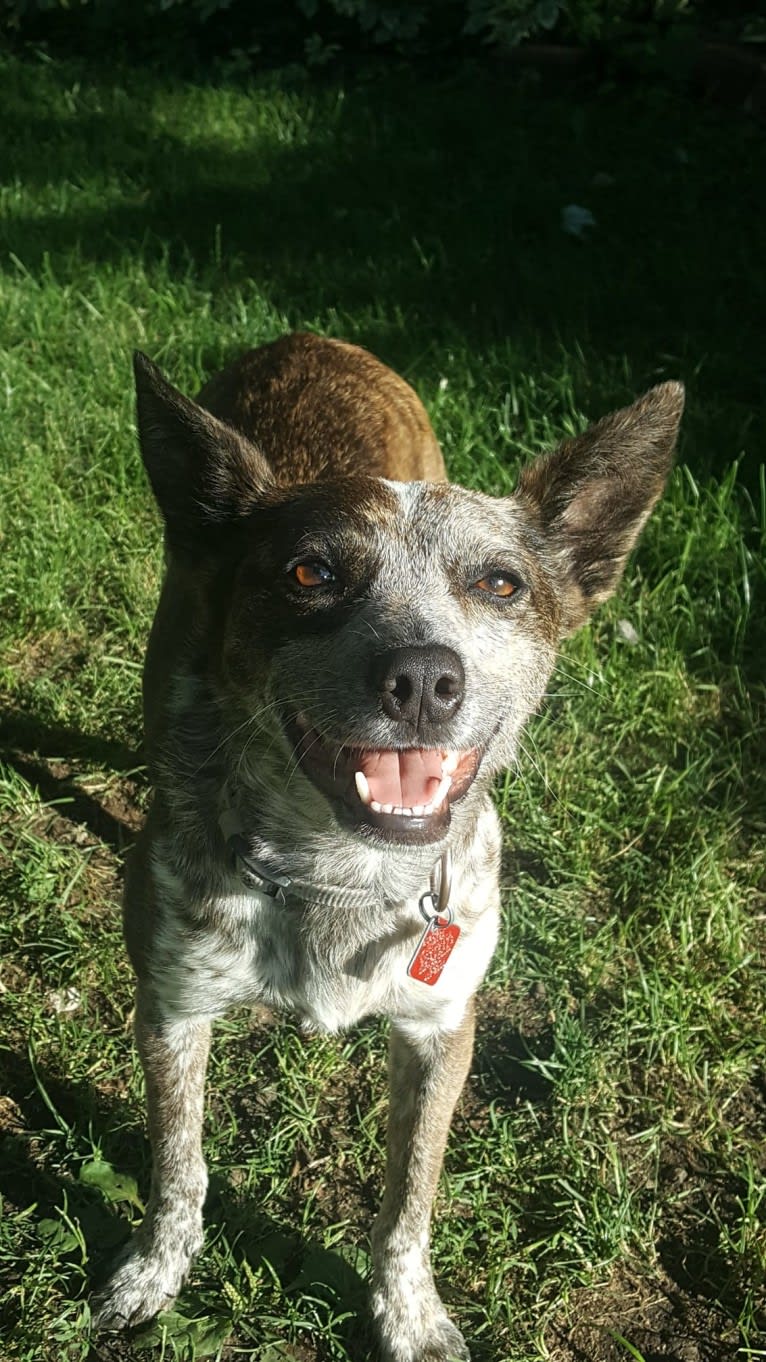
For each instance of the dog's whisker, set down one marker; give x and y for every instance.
(576, 680)
(549, 789)
(223, 743)
(342, 748)
(273, 739)
(252, 720)
(356, 629)
(294, 764)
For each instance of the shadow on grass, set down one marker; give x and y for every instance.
(431, 209)
(513, 1033)
(22, 730)
(47, 758)
(60, 1112)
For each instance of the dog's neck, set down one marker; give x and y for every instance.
(315, 861)
(259, 872)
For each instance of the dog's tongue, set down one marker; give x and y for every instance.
(402, 778)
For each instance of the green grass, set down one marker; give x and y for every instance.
(606, 1189)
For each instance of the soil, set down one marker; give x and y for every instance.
(660, 1319)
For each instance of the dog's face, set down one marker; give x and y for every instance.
(405, 631)
(391, 639)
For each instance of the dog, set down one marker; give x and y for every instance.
(345, 652)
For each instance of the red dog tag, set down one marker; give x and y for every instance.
(433, 950)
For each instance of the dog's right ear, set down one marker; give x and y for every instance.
(203, 472)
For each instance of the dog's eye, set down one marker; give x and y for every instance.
(312, 573)
(498, 584)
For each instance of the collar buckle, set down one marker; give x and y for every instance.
(267, 881)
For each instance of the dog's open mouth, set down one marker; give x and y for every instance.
(404, 793)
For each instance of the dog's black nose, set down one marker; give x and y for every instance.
(416, 684)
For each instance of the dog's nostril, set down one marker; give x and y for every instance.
(401, 689)
(447, 687)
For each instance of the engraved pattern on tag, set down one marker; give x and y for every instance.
(433, 950)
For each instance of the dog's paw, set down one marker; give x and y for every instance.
(407, 1333)
(449, 1345)
(444, 1343)
(145, 1280)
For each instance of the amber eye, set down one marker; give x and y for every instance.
(312, 573)
(497, 584)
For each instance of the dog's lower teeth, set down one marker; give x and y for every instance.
(398, 810)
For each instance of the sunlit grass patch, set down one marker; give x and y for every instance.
(605, 1179)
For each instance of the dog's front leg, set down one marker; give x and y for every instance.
(153, 1265)
(427, 1071)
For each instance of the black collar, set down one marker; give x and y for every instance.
(275, 884)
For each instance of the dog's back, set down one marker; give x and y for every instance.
(319, 408)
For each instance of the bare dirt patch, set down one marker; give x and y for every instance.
(651, 1312)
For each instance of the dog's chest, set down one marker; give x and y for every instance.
(331, 969)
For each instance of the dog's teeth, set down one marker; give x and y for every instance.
(449, 764)
(398, 810)
(442, 792)
(362, 787)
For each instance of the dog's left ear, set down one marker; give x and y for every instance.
(591, 496)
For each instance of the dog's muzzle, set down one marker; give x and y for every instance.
(403, 794)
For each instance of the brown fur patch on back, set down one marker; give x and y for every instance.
(319, 408)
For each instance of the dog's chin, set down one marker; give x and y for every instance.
(402, 796)
(394, 828)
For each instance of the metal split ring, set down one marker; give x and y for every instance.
(439, 894)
